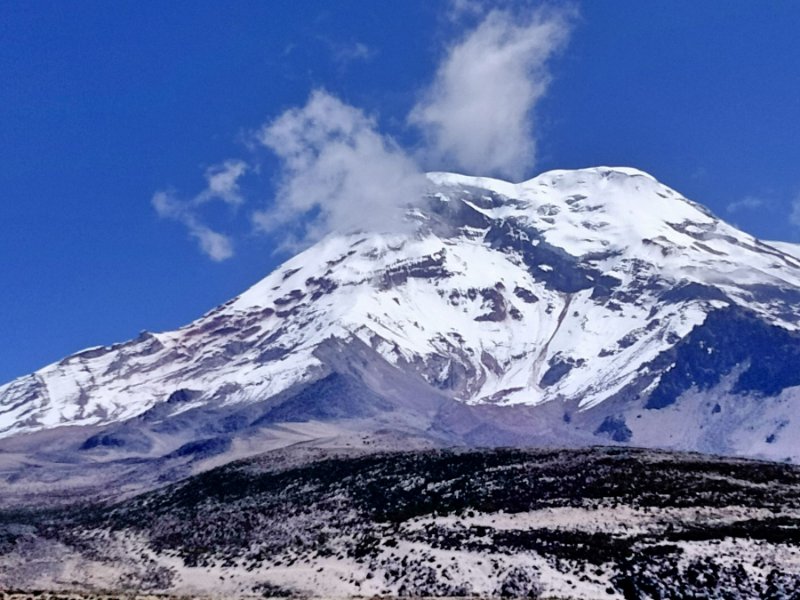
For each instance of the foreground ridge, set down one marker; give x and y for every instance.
(592, 523)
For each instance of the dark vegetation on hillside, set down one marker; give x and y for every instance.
(250, 514)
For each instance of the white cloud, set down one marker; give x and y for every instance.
(338, 172)
(215, 245)
(794, 216)
(459, 9)
(345, 54)
(222, 183)
(479, 113)
(745, 204)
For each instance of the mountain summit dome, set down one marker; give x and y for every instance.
(578, 307)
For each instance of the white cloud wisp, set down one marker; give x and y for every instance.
(479, 113)
(222, 183)
(794, 216)
(338, 172)
(748, 203)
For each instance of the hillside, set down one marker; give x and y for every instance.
(594, 523)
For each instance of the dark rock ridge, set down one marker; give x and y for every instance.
(729, 338)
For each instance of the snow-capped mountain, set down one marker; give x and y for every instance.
(586, 306)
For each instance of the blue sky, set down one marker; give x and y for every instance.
(105, 105)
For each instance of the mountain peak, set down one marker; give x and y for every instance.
(574, 289)
(448, 178)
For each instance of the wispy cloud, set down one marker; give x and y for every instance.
(745, 204)
(222, 183)
(459, 9)
(794, 215)
(338, 172)
(478, 115)
(346, 54)
(215, 245)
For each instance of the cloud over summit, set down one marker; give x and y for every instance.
(338, 172)
(478, 114)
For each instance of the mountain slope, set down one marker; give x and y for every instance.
(583, 306)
